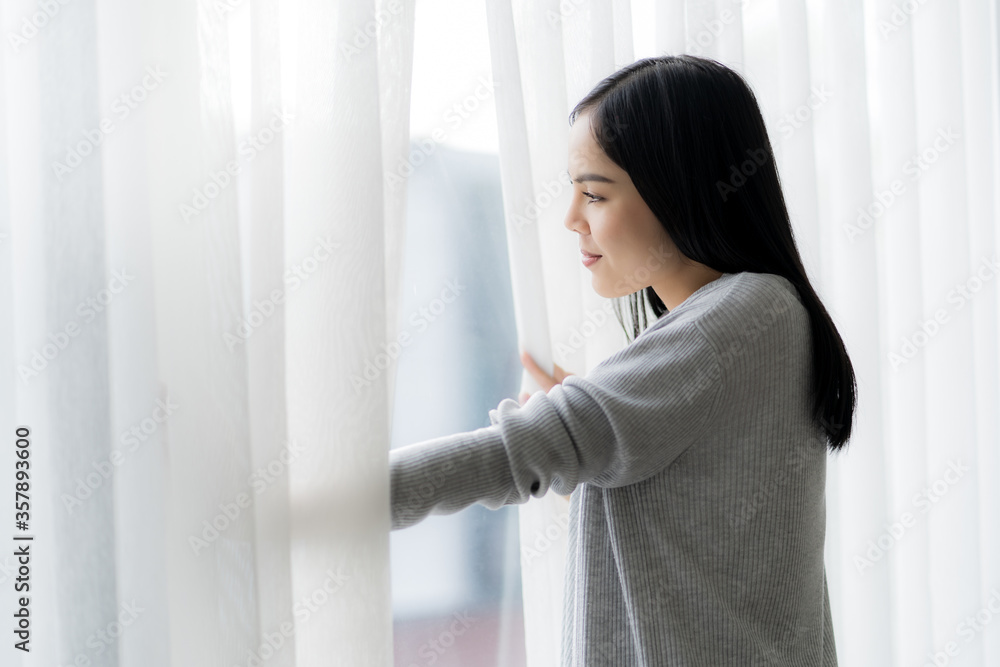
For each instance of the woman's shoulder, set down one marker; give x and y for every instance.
(761, 293)
(734, 295)
(738, 305)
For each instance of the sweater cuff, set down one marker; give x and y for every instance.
(447, 474)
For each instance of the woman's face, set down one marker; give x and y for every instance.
(614, 222)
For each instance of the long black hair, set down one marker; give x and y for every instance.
(690, 134)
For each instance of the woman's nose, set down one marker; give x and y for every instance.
(573, 221)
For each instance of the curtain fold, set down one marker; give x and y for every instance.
(893, 99)
(337, 325)
(947, 260)
(265, 350)
(395, 64)
(540, 587)
(845, 184)
(980, 48)
(140, 482)
(197, 294)
(71, 247)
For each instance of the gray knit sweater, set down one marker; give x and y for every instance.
(697, 474)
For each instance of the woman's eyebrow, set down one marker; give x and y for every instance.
(591, 177)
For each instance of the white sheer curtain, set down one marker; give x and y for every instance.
(191, 289)
(189, 306)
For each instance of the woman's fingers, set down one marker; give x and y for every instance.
(544, 380)
(560, 374)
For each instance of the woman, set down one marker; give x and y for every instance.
(696, 455)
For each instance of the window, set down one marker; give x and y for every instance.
(456, 579)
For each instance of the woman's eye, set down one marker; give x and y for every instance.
(592, 198)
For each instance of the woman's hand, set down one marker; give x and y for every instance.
(544, 380)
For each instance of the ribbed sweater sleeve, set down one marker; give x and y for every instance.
(627, 419)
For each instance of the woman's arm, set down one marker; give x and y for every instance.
(544, 380)
(629, 418)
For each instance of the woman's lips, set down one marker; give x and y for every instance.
(588, 259)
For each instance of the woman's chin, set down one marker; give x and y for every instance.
(603, 290)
